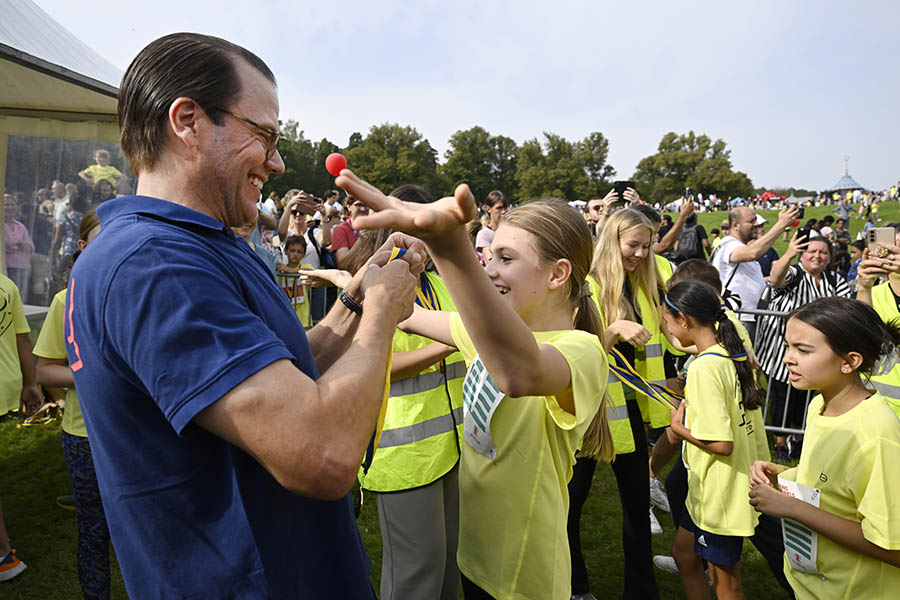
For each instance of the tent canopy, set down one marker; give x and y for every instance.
(845, 183)
(54, 85)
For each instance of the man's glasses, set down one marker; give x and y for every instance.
(270, 134)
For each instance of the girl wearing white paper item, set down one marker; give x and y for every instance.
(721, 422)
(850, 455)
(535, 381)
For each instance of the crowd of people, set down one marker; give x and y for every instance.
(471, 374)
(41, 229)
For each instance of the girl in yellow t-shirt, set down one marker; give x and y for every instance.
(851, 453)
(721, 422)
(53, 371)
(534, 382)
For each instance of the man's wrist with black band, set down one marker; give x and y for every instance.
(351, 304)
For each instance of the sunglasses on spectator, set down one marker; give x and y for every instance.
(271, 136)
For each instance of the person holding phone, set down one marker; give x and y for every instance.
(883, 260)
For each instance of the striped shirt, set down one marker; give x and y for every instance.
(799, 288)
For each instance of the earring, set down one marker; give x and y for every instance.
(684, 325)
(845, 369)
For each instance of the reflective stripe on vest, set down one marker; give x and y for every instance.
(617, 413)
(420, 431)
(424, 382)
(653, 350)
(884, 304)
(652, 367)
(886, 389)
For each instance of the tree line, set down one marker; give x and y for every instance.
(551, 166)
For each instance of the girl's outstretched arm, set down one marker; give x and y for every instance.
(518, 365)
(434, 324)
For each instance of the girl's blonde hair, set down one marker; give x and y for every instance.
(560, 232)
(609, 273)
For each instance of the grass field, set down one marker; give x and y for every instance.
(888, 212)
(33, 474)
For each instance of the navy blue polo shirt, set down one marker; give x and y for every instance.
(167, 311)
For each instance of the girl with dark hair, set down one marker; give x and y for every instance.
(721, 422)
(793, 286)
(849, 458)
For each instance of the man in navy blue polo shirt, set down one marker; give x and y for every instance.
(225, 439)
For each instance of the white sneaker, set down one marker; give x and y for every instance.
(655, 527)
(658, 496)
(665, 563)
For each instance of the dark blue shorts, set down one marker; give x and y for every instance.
(722, 550)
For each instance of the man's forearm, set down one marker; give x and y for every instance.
(331, 337)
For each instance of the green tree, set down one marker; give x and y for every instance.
(562, 169)
(483, 161)
(693, 161)
(391, 155)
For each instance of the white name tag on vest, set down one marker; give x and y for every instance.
(800, 542)
(480, 399)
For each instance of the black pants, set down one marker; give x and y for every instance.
(767, 537)
(472, 591)
(632, 476)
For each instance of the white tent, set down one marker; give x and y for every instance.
(51, 84)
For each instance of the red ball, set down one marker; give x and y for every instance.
(335, 163)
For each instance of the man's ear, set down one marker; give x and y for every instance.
(184, 121)
(559, 275)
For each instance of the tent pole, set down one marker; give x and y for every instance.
(4, 141)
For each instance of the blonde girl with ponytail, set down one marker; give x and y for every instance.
(534, 384)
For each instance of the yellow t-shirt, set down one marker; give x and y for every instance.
(298, 295)
(513, 508)
(12, 323)
(109, 173)
(854, 460)
(51, 343)
(718, 485)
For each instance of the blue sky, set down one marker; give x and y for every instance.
(792, 87)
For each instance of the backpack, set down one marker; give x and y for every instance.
(689, 244)
(326, 256)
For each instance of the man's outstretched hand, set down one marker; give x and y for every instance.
(425, 221)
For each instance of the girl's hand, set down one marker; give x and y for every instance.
(768, 500)
(629, 331)
(797, 245)
(631, 196)
(763, 472)
(676, 423)
(321, 278)
(426, 221)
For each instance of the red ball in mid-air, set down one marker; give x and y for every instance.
(335, 163)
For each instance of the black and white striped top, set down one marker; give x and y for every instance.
(799, 288)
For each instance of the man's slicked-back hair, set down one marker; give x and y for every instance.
(191, 65)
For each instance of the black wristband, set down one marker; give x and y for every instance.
(351, 304)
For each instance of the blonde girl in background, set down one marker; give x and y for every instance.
(626, 288)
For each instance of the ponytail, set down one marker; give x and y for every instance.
(700, 301)
(727, 334)
(598, 442)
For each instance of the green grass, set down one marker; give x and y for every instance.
(887, 212)
(34, 474)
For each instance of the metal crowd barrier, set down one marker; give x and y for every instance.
(779, 425)
(290, 283)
